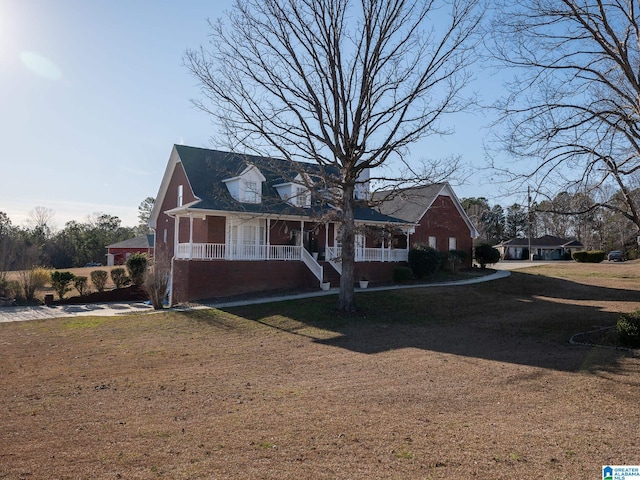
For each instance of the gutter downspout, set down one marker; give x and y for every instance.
(173, 257)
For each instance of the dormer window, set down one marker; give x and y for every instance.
(246, 187)
(302, 197)
(251, 193)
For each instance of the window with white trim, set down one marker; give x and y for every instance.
(251, 193)
(302, 197)
(432, 242)
(453, 244)
(249, 235)
(180, 195)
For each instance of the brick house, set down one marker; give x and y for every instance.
(234, 224)
(118, 253)
(440, 220)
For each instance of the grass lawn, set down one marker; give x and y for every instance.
(445, 382)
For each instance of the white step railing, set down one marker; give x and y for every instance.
(312, 265)
(333, 255)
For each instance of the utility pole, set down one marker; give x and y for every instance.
(529, 220)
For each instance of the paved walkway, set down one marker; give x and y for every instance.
(19, 314)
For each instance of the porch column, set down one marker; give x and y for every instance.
(229, 237)
(268, 239)
(326, 239)
(176, 231)
(190, 235)
(408, 244)
(301, 237)
(382, 250)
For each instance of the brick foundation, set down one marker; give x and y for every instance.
(199, 280)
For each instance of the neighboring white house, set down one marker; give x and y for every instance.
(547, 247)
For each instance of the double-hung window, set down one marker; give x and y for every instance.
(302, 196)
(251, 194)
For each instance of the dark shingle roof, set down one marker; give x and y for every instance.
(206, 169)
(408, 204)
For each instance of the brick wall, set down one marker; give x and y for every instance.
(171, 201)
(198, 280)
(443, 220)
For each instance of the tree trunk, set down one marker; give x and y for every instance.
(346, 298)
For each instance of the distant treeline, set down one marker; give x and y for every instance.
(77, 244)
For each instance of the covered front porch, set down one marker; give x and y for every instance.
(266, 239)
(222, 251)
(229, 255)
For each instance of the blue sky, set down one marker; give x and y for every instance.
(93, 95)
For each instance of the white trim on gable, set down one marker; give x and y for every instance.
(463, 214)
(174, 160)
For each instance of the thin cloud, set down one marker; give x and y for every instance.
(40, 65)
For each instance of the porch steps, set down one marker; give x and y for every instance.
(330, 274)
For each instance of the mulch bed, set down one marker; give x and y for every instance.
(132, 293)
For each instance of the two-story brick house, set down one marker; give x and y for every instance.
(234, 224)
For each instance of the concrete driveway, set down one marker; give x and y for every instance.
(518, 264)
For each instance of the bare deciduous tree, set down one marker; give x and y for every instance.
(41, 219)
(346, 84)
(572, 112)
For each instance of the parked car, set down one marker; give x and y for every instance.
(616, 256)
(93, 264)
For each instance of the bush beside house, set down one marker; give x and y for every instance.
(485, 255)
(590, 256)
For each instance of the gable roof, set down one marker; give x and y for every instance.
(141, 241)
(411, 204)
(207, 170)
(544, 241)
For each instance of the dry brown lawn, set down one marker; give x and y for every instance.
(456, 382)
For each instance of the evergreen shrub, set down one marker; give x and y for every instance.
(589, 256)
(119, 277)
(402, 274)
(99, 279)
(60, 282)
(628, 327)
(485, 255)
(137, 267)
(423, 260)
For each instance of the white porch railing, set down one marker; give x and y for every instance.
(334, 254)
(220, 251)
